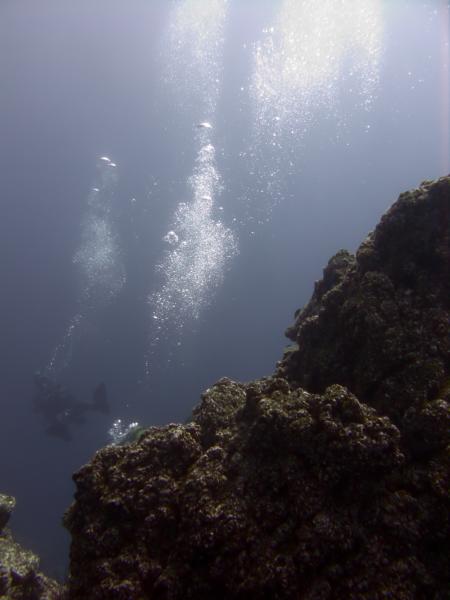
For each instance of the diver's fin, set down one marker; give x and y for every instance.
(100, 399)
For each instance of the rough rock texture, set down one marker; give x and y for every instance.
(7, 504)
(19, 575)
(329, 480)
(378, 323)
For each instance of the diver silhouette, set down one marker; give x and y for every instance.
(61, 410)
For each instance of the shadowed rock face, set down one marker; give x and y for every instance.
(329, 480)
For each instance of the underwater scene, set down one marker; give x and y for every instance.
(175, 176)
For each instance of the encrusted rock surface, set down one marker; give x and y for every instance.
(19, 575)
(328, 480)
(7, 504)
(378, 323)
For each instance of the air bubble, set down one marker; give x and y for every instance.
(171, 238)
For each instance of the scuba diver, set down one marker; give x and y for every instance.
(60, 409)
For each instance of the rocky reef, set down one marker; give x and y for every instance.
(19, 575)
(328, 480)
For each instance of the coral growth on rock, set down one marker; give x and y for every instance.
(378, 323)
(19, 575)
(328, 480)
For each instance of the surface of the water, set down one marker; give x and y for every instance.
(185, 262)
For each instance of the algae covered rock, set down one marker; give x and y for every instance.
(20, 578)
(7, 504)
(328, 480)
(379, 323)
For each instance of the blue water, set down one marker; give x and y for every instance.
(251, 140)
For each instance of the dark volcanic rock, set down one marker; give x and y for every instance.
(329, 480)
(379, 324)
(7, 504)
(19, 575)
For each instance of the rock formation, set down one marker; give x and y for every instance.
(328, 480)
(19, 575)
